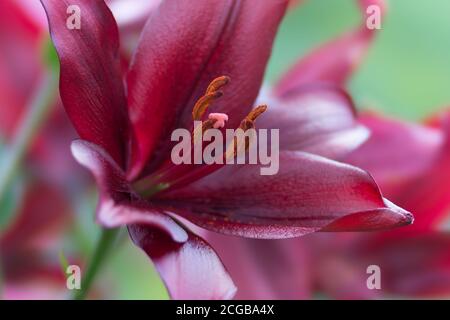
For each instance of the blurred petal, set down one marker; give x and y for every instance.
(335, 61)
(308, 194)
(396, 150)
(341, 278)
(91, 84)
(39, 283)
(20, 65)
(411, 163)
(29, 267)
(42, 218)
(414, 265)
(131, 16)
(175, 62)
(316, 119)
(191, 270)
(265, 269)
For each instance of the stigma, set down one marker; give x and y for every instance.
(219, 119)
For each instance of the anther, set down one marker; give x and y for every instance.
(247, 123)
(217, 84)
(255, 113)
(212, 93)
(203, 103)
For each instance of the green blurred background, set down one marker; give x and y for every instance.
(406, 74)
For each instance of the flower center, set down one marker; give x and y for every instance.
(172, 175)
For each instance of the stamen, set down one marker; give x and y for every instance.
(175, 176)
(212, 93)
(217, 84)
(235, 149)
(219, 118)
(248, 122)
(203, 103)
(255, 113)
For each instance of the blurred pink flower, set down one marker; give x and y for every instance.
(29, 247)
(30, 264)
(22, 68)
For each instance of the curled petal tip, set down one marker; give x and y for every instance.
(384, 218)
(80, 152)
(405, 217)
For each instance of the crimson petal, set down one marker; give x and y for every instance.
(91, 84)
(308, 194)
(318, 119)
(428, 194)
(335, 61)
(397, 152)
(184, 46)
(191, 270)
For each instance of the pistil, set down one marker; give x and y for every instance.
(171, 175)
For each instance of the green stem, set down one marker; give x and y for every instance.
(104, 244)
(33, 119)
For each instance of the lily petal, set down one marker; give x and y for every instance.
(191, 270)
(175, 62)
(335, 61)
(319, 119)
(411, 162)
(91, 84)
(308, 194)
(397, 151)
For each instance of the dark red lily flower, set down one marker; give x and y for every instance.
(183, 46)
